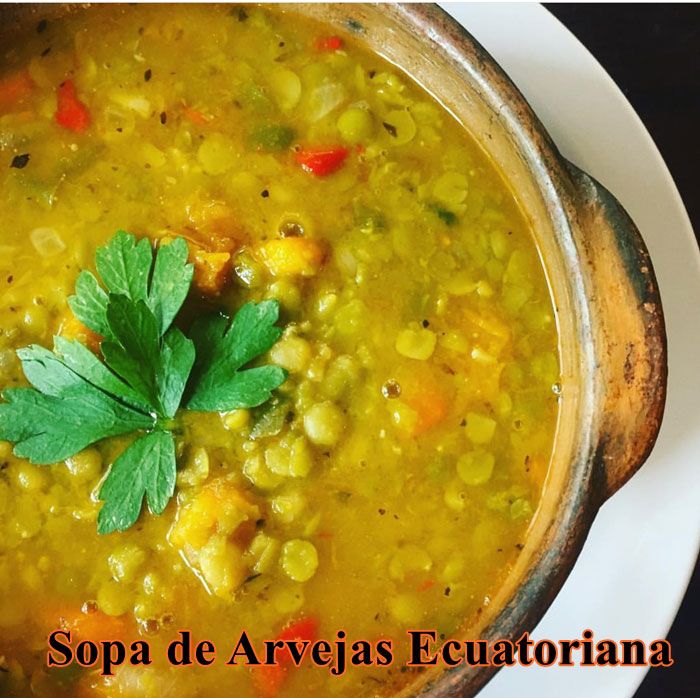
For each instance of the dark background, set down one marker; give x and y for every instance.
(652, 51)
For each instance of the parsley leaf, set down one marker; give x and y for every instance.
(146, 468)
(89, 304)
(217, 383)
(176, 360)
(170, 282)
(67, 415)
(133, 353)
(157, 370)
(125, 269)
(83, 362)
(148, 366)
(125, 265)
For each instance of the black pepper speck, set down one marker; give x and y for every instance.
(20, 161)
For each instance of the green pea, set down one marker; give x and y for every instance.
(355, 125)
(299, 560)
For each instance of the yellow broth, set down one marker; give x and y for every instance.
(391, 483)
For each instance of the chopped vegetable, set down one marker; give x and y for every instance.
(400, 126)
(322, 162)
(324, 424)
(416, 343)
(269, 680)
(211, 271)
(216, 154)
(272, 137)
(445, 215)
(195, 116)
(76, 400)
(71, 113)
(295, 256)
(328, 43)
(286, 87)
(475, 468)
(270, 418)
(14, 89)
(72, 329)
(47, 242)
(88, 624)
(355, 125)
(431, 407)
(299, 560)
(480, 429)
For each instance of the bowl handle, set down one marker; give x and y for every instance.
(629, 334)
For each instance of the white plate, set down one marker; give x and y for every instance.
(635, 566)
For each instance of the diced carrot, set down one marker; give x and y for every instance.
(268, 680)
(71, 113)
(328, 43)
(94, 625)
(14, 89)
(424, 392)
(426, 585)
(431, 406)
(293, 256)
(72, 328)
(195, 116)
(212, 270)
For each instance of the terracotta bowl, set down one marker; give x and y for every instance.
(611, 327)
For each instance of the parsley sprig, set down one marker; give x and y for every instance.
(149, 370)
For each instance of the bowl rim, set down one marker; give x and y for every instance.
(548, 572)
(560, 184)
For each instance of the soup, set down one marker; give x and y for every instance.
(383, 480)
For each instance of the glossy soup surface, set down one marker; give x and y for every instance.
(391, 481)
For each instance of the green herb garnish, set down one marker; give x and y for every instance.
(445, 215)
(272, 137)
(149, 370)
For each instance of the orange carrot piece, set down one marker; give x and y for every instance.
(426, 584)
(14, 89)
(72, 328)
(93, 625)
(431, 407)
(195, 116)
(269, 680)
(212, 271)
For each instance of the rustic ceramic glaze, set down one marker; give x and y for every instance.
(613, 344)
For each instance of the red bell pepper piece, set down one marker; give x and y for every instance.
(71, 113)
(304, 629)
(195, 116)
(269, 680)
(329, 43)
(322, 162)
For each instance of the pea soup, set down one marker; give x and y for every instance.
(378, 471)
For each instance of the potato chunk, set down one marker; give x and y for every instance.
(212, 529)
(219, 507)
(211, 271)
(294, 256)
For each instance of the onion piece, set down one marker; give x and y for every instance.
(47, 242)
